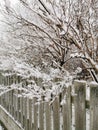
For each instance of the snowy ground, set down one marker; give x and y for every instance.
(1, 128)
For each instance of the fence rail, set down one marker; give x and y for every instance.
(7, 78)
(57, 114)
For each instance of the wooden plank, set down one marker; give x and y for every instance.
(10, 102)
(79, 102)
(25, 113)
(48, 115)
(19, 104)
(8, 82)
(28, 116)
(4, 80)
(56, 116)
(30, 113)
(18, 109)
(87, 102)
(16, 104)
(5, 100)
(41, 116)
(94, 106)
(35, 113)
(67, 110)
(21, 110)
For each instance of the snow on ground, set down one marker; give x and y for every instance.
(1, 128)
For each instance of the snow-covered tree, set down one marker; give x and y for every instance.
(54, 32)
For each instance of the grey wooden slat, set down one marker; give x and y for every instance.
(93, 106)
(79, 102)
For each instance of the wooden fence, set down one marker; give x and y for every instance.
(7, 78)
(56, 113)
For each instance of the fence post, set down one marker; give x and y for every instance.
(3, 100)
(7, 101)
(56, 115)
(18, 107)
(30, 113)
(66, 109)
(48, 115)
(26, 113)
(11, 102)
(14, 105)
(35, 113)
(79, 102)
(41, 115)
(21, 111)
(8, 80)
(94, 106)
(4, 80)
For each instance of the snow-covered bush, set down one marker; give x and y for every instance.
(53, 32)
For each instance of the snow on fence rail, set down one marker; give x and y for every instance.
(56, 114)
(7, 78)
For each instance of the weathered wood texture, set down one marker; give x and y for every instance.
(56, 114)
(79, 102)
(41, 116)
(94, 106)
(66, 110)
(48, 116)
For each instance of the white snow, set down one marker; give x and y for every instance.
(1, 128)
